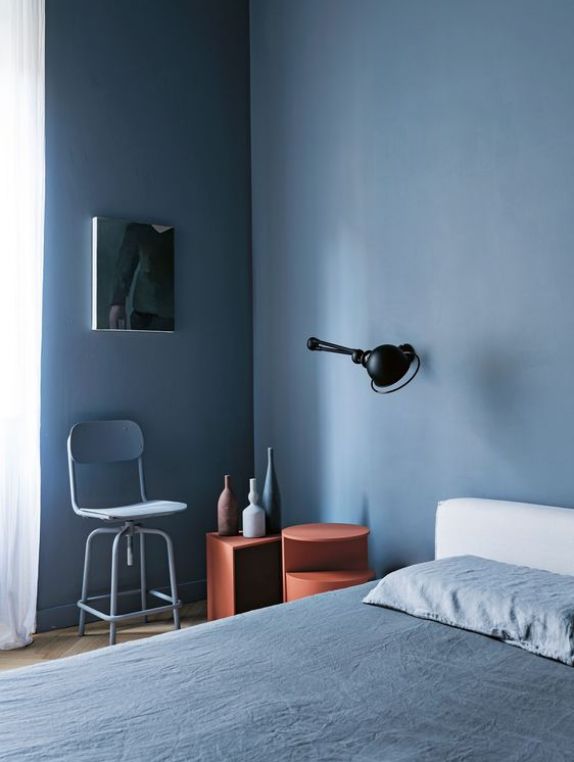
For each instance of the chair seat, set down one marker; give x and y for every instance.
(135, 511)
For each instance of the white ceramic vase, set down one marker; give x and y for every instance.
(253, 515)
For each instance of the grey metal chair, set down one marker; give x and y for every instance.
(109, 442)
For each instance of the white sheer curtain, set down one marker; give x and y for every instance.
(21, 261)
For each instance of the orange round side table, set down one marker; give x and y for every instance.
(321, 557)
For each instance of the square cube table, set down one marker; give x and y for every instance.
(242, 574)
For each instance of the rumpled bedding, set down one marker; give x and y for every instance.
(322, 678)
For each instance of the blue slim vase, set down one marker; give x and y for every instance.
(271, 499)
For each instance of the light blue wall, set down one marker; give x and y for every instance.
(413, 180)
(147, 118)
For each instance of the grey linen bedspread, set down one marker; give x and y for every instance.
(325, 678)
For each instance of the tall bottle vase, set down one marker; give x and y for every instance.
(271, 498)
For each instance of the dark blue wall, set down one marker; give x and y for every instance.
(413, 181)
(147, 118)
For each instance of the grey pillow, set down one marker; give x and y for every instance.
(528, 608)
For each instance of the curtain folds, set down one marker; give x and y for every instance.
(21, 266)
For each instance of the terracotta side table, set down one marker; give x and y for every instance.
(321, 557)
(242, 574)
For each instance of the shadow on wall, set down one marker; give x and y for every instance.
(497, 377)
(392, 560)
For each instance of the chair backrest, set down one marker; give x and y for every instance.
(104, 442)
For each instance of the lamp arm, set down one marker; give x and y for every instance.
(318, 345)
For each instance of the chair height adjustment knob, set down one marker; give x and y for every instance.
(130, 542)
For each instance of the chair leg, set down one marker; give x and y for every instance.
(172, 577)
(82, 623)
(114, 584)
(172, 580)
(143, 582)
(89, 538)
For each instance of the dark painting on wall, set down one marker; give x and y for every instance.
(133, 281)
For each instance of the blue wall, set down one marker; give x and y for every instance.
(412, 181)
(147, 118)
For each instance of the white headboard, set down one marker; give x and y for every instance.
(517, 533)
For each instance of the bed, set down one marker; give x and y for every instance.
(322, 678)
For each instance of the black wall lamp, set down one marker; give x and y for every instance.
(386, 364)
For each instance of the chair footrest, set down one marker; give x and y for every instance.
(133, 591)
(131, 614)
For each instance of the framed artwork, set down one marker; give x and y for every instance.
(133, 276)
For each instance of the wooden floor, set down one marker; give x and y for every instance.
(57, 644)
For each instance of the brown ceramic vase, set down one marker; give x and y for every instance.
(227, 511)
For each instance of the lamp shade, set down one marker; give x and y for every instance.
(387, 364)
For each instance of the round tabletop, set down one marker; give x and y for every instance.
(325, 532)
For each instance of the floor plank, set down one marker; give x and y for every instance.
(57, 644)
